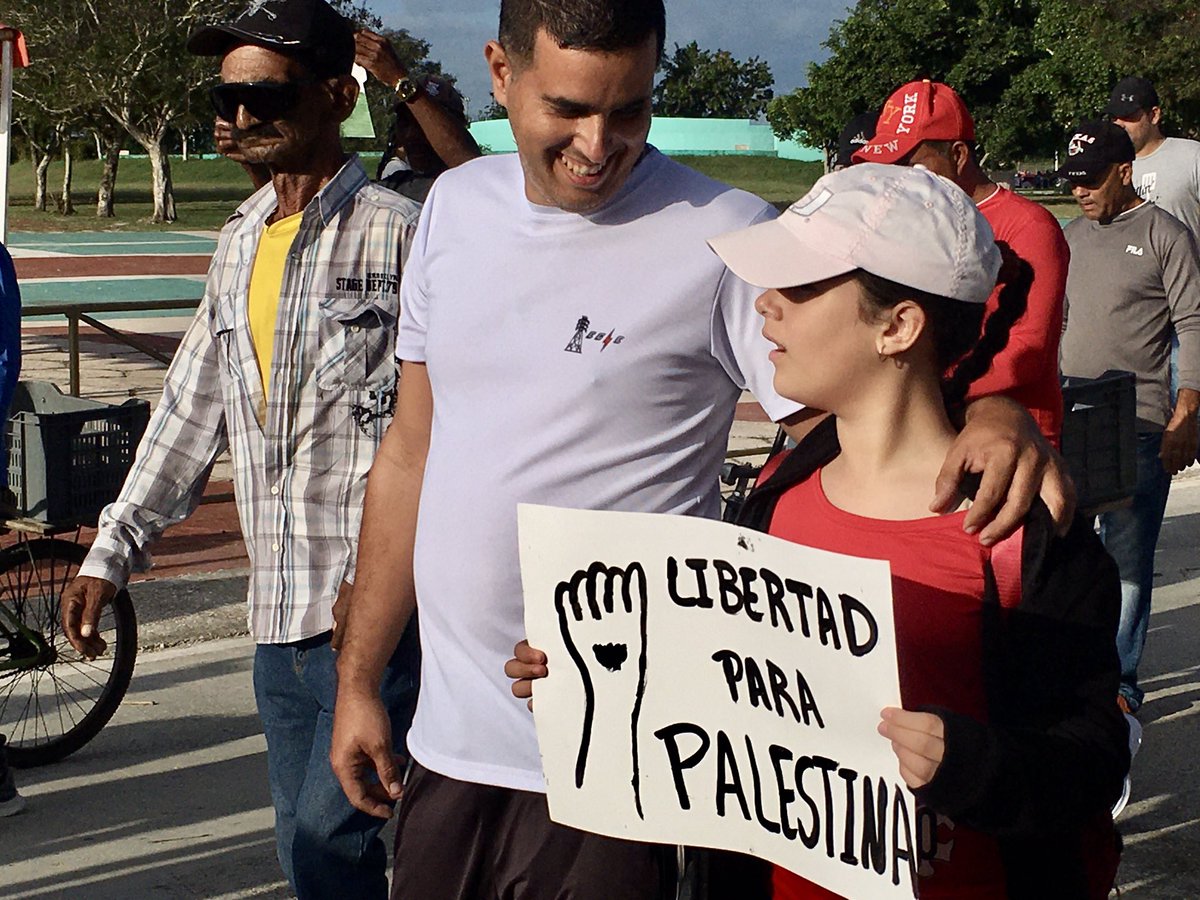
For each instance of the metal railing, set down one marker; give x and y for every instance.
(78, 311)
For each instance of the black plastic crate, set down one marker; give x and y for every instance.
(1099, 437)
(68, 456)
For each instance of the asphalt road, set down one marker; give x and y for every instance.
(170, 800)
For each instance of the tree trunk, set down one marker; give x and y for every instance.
(66, 207)
(151, 139)
(108, 177)
(41, 165)
(160, 173)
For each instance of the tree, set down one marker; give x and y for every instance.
(492, 111)
(41, 138)
(977, 46)
(132, 66)
(48, 105)
(1027, 69)
(712, 84)
(145, 78)
(109, 136)
(1159, 40)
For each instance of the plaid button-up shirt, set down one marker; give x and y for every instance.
(302, 448)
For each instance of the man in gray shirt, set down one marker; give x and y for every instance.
(1134, 276)
(1166, 170)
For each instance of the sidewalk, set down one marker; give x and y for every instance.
(169, 801)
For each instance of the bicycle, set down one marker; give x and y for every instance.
(739, 478)
(67, 458)
(52, 699)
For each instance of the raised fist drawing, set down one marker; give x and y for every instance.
(602, 617)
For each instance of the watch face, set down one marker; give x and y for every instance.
(406, 89)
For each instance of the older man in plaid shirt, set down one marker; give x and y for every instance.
(288, 364)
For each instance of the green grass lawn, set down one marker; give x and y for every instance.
(778, 181)
(208, 190)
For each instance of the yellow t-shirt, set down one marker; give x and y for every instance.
(266, 281)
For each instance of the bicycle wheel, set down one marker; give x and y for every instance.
(53, 706)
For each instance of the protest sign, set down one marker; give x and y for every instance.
(713, 686)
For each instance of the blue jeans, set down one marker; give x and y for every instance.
(1130, 536)
(326, 847)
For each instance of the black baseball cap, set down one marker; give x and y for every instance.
(1094, 146)
(858, 131)
(1131, 95)
(310, 31)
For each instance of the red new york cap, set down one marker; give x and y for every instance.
(919, 111)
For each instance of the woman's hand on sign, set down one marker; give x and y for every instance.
(524, 668)
(919, 742)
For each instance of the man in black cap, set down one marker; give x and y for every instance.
(1166, 170)
(856, 133)
(289, 364)
(428, 134)
(1134, 275)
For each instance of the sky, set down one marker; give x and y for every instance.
(785, 33)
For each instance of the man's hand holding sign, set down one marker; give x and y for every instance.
(723, 690)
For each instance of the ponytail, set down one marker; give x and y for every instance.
(1016, 278)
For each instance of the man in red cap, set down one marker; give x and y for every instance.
(926, 123)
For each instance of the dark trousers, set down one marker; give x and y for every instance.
(1130, 536)
(456, 840)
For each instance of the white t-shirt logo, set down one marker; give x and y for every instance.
(1146, 186)
(584, 332)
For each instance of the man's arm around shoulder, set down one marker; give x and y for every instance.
(383, 600)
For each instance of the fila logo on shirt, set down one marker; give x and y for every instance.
(1133, 251)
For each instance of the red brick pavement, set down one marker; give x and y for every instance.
(108, 266)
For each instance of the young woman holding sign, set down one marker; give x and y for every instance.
(1009, 736)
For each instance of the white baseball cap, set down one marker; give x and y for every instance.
(904, 224)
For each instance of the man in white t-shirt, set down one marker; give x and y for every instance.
(567, 338)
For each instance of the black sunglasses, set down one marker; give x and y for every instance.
(267, 101)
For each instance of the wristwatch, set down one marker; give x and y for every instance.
(406, 89)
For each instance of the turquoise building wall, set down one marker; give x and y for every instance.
(680, 137)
